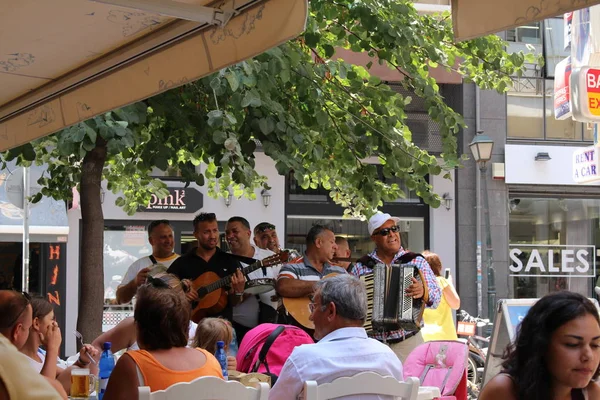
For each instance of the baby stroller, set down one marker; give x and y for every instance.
(266, 347)
(442, 364)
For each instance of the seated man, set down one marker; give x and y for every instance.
(18, 380)
(339, 309)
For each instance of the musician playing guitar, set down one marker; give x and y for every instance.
(297, 279)
(209, 261)
(385, 233)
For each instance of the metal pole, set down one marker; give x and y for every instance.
(478, 239)
(479, 275)
(491, 291)
(26, 189)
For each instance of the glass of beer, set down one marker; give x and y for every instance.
(82, 383)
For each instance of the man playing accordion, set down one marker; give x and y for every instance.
(385, 234)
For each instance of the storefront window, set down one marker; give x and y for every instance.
(552, 244)
(122, 246)
(412, 233)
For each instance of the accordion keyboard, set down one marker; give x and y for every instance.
(368, 281)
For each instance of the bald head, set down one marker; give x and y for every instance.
(343, 251)
(15, 317)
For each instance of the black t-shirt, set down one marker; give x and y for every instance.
(191, 266)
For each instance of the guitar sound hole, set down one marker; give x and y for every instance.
(202, 292)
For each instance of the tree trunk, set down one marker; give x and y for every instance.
(91, 272)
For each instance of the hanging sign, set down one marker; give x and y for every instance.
(562, 89)
(568, 23)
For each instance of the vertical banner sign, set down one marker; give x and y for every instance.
(568, 19)
(562, 89)
(54, 260)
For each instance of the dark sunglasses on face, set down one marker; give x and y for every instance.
(28, 298)
(386, 231)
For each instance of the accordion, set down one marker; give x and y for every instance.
(388, 307)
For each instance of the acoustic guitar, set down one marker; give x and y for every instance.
(212, 296)
(298, 307)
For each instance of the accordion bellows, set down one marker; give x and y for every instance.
(388, 307)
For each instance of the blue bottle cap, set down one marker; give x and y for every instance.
(220, 343)
(107, 345)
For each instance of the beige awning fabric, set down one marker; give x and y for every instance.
(472, 18)
(65, 61)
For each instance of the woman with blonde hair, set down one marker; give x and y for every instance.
(212, 330)
(439, 324)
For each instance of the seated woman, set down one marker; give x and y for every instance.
(124, 336)
(556, 353)
(212, 330)
(162, 318)
(45, 332)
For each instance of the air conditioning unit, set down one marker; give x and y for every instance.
(404, 226)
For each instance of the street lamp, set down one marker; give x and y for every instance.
(481, 147)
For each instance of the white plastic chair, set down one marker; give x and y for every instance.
(363, 383)
(207, 388)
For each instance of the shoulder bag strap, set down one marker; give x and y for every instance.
(151, 257)
(262, 356)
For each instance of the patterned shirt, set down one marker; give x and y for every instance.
(435, 293)
(302, 269)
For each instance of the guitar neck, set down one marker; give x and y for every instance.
(227, 280)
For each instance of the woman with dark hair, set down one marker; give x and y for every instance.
(162, 317)
(45, 332)
(556, 354)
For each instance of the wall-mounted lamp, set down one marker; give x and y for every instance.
(227, 199)
(447, 200)
(266, 197)
(542, 157)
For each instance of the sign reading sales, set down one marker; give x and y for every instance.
(552, 260)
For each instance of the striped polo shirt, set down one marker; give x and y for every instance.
(301, 268)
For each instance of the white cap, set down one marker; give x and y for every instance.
(379, 219)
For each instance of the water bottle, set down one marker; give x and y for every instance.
(107, 364)
(221, 356)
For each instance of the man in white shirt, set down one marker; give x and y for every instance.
(339, 309)
(160, 236)
(246, 314)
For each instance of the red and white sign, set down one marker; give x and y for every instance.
(585, 89)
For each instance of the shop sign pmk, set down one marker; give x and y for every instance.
(181, 200)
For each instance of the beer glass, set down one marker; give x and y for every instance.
(82, 383)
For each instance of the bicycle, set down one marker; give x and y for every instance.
(478, 347)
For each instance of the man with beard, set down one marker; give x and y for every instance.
(265, 237)
(385, 233)
(246, 315)
(207, 257)
(160, 236)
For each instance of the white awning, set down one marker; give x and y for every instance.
(65, 61)
(472, 18)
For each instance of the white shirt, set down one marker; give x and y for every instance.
(145, 262)
(344, 352)
(246, 313)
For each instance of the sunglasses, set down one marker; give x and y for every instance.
(266, 227)
(386, 231)
(28, 302)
